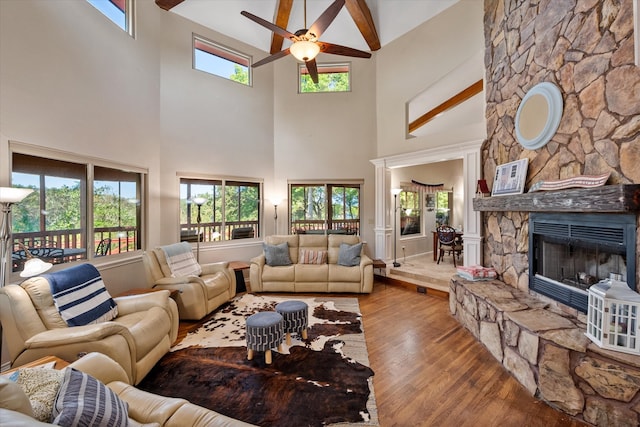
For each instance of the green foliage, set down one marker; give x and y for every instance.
(327, 82)
(240, 74)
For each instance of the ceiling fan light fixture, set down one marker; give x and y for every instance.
(304, 50)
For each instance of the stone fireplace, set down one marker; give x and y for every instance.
(586, 49)
(568, 253)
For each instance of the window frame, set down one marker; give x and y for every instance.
(87, 227)
(325, 65)
(223, 224)
(328, 221)
(129, 13)
(223, 52)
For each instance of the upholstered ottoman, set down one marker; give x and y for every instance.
(295, 316)
(265, 330)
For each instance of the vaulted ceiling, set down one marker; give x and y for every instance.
(362, 24)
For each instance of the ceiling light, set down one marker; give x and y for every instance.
(304, 50)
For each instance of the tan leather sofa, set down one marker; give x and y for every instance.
(197, 295)
(297, 277)
(144, 408)
(142, 332)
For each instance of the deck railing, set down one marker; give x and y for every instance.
(189, 232)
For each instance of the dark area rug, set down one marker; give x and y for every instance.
(319, 381)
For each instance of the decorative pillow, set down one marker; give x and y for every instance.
(41, 386)
(277, 255)
(181, 260)
(349, 255)
(85, 401)
(308, 256)
(13, 397)
(80, 296)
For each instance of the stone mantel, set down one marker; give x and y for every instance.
(620, 198)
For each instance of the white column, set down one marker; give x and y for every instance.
(382, 228)
(472, 221)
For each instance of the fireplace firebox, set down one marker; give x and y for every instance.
(568, 253)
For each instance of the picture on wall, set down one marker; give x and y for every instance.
(510, 178)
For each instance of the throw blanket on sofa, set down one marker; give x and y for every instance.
(80, 296)
(180, 260)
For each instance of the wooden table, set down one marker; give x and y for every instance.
(436, 243)
(239, 267)
(58, 364)
(380, 265)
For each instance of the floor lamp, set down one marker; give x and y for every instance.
(395, 193)
(8, 197)
(199, 201)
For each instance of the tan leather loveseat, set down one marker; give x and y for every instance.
(198, 295)
(329, 276)
(143, 331)
(144, 408)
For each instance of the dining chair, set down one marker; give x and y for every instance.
(448, 241)
(104, 247)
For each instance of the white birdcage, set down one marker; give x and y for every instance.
(612, 317)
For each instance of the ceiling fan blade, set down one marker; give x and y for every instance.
(336, 49)
(312, 67)
(327, 17)
(268, 25)
(271, 58)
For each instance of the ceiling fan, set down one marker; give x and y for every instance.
(306, 45)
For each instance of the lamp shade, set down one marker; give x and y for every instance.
(199, 200)
(35, 266)
(13, 195)
(304, 50)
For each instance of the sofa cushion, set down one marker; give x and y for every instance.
(292, 241)
(335, 240)
(83, 400)
(181, 260)
(81, 296)
(13, 397)
(310, 256)
(41, 386)
(277, 255)
(39, 292)
(349, 255)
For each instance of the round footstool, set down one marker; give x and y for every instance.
(264, 332)
(296, 318)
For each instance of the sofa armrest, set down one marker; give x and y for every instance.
(255, 272)
(178, 280)
(101, 367)
(365, 260)
(77, 334)
(145, 407)
(214, 267)
(143, 302)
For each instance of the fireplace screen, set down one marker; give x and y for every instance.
(568, 253)
(579, 264)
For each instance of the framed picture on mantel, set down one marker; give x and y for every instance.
(510, 178)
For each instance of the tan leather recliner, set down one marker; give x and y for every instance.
(144, 408)
(197, 295)
(142, 332)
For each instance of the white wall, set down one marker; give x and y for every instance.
(420, 59)
(327, 136)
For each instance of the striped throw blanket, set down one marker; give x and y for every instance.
(181, 260)
(80, 296)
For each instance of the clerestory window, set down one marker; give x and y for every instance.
(221, 61)
(331, 78)
(120, 12)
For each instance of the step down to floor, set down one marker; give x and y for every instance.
(422, 284)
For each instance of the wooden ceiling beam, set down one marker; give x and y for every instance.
(168, 4)
(364, 21)
(456, 99)
(281, 19)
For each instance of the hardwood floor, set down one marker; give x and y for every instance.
(430, 371)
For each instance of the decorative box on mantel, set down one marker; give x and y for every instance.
(612, 317)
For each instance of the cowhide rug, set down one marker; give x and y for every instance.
(322, 380)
